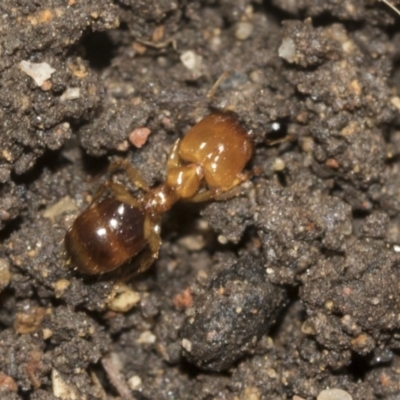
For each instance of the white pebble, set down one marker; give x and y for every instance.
(146, 338)
(279, 164)
(243, 30)
(61, 388)
(222, 239)
(123, 299)
(187, 345)
(5, 274)
(39, 72)
(70, 94)
(134, 382)
(287, 50)
(191, 60)
(334, 394)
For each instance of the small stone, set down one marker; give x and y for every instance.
(158, 33)
(191, 60)
(39, 72)
(138, 137)
(271, 373)
(46, 86)
(30, 320)
(193, 242)
(70, 94)
(123, 146)
(5, 274)
(334, 394)
(123, 299)
(251, 393)
(60, 287)
(47, 333)
(134, 382)
(332, 163)
(279, 164)
(183, 300)
(146, 338)
(307, 328)
(243, 30)
(62, 389)
(257, 76)
(187, 345)
(395, 101)
(7, 384)
(362, 344)
(222, 239)
(287, 50)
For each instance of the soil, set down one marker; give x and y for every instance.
(291, 287)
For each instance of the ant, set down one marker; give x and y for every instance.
(206, 163)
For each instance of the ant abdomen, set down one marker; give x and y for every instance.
(105, 236)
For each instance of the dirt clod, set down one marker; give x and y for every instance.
(228, 319)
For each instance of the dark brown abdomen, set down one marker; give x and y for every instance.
(105, 236)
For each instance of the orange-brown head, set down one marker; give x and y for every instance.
(221, 146)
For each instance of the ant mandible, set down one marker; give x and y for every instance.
(208, 161)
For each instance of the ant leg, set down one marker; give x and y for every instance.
(98, 194)
(119, 192)
(147, 257)
(221, 194)
(122, 194)
(286, 139)
(235, 189)
(133, 174)
(216, 85)
(205, 195)
(151, 253)
(216, 195)
(173, 159)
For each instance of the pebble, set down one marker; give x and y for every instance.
(123, 299)
(191, 60)
(60, 287)
(146, 337)
(5, 274)
(187, 345)
(61, 389)
(134, 382)
(279, 164)
(334, 394)
(138, 137)
(243, 30)
(251, 393)
(287, 50)
(39, 72)
(71, 93)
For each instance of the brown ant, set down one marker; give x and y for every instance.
(208, 161)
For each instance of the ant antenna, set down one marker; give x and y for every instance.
(212, 91)
(395, 9)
